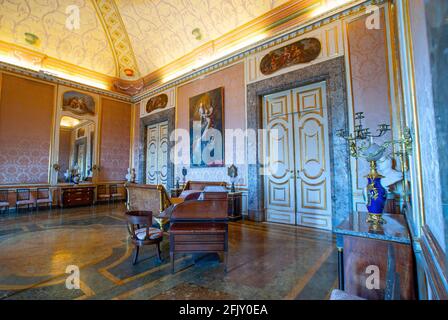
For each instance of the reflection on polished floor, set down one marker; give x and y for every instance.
(266, 261)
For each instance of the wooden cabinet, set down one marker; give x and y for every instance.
(385, 250)
(77, 196)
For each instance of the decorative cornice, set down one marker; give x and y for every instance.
(36, 60)
(282, 24)
(298, 30)
(117, 35)
(54, 79)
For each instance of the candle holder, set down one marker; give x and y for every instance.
(362, 145)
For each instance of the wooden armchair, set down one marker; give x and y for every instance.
(142, 233)
(148, 197)
(199, 226)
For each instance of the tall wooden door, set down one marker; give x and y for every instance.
(296, 153)
(157, 154)
(313, 182)
(279, 158)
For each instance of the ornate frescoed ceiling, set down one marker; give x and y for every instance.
(116, 36)
(128, 45)
(161, 31)
(87, 46)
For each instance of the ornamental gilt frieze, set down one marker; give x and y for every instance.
(158, 102)
(303, 51)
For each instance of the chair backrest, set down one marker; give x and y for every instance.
(3, 195)
(148, 197)
(43, 193)
(101, 189)
(138, 219)
(23, 194)
(113, 189)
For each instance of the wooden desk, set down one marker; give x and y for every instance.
(360, 246)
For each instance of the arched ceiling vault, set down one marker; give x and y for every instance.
(134, 39)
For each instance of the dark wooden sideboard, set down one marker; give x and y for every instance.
(77, 196)
(361, 246)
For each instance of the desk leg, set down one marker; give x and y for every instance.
(341, 268)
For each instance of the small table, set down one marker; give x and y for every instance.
(361, 245)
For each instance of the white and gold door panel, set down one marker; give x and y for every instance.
(279, 158)
(157, 154)
(296, 154)
(312, 156)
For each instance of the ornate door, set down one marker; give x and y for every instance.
(312, 156)
(162, 160)
(279, 158)
(296, 154)
(157, 154)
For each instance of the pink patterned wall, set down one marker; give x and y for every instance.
(26, 112)
(115, 139)
(370, 83)
(232, 79)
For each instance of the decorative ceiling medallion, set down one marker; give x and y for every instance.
(158, 102)
(78, 103)
(303, 51)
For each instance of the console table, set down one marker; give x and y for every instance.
(77, 196)
(361, 245)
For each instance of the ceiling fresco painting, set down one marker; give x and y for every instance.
(162, 31)
(86, 46)
(128, 45)
(123, 38)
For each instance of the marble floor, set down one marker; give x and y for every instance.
(266, 261)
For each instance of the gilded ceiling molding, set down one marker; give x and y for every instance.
(45, 76)
(35, 60)
(153, 81)
(126, 63)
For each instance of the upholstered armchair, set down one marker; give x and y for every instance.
(148, 197)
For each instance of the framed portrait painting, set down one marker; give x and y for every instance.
(207, 129)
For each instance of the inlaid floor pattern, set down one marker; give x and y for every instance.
(266, 261)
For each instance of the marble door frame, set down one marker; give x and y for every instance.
(333, 73)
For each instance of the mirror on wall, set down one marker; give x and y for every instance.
(76, 150)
